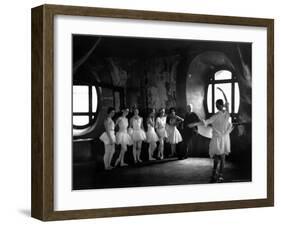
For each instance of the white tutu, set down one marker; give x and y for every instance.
(160, 127)
(151, 135)
(130, 131)
(222, 127)
(137, 132)
(219, 145)
(174, 135)
(138, 135)
(162, 133)
(105, 139)
(123, 138)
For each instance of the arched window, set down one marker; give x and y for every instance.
(225, 80)
(85, 104)
(86, 101)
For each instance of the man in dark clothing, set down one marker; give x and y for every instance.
(190, 129)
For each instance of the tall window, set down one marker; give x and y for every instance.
(85, 103)
(228, 83)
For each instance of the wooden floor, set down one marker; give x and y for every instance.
(156, 173)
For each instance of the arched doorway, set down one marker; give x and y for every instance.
(200, 73)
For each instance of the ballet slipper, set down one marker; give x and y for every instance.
(109, 168)
(124, 164)
(220, 178)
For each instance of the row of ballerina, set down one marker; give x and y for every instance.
(132, 133)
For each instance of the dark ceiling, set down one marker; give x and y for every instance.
(134, 47)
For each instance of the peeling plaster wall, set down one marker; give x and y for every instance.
(197, 78)
(119, 74)
(149, 83)
(161, 82)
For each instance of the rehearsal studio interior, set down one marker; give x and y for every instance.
(158, 73)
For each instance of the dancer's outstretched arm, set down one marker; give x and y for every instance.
(225, 99)
(179, 118)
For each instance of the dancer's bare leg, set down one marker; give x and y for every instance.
(112, 151)
(215, 169)
(151, 149)
(173, 149)
(122, 155)
(221, 167)
(106, 156)
(139, 150)
(135, 151)
(161, 148)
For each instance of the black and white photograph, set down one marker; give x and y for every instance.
(160, 112)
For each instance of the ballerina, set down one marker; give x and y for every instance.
(137, 134)
(220, 143)
(151, 136)
(174, 136)
(109, 139)
(122, 136)
(161, 131)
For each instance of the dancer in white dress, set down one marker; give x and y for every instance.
(151, 136)
(137, 134)
(220, 142)
(161, 131)
(174, 136)
(109, 139)
(122, 136)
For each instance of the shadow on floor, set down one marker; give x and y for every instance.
(156, 173)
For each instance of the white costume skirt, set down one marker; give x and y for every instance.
(162, 133)
(151, 135)
(105, 139)
(138, 135)
(174, 135)
(219, 145)
(123, 138)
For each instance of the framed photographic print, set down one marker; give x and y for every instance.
(141, 112)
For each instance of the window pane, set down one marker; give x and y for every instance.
(94, 99)
(237, 98)
(80, 99)
(80, 120)
(222, 74)
(209, 98)
(226, 87)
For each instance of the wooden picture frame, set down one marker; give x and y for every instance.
(43, 108)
